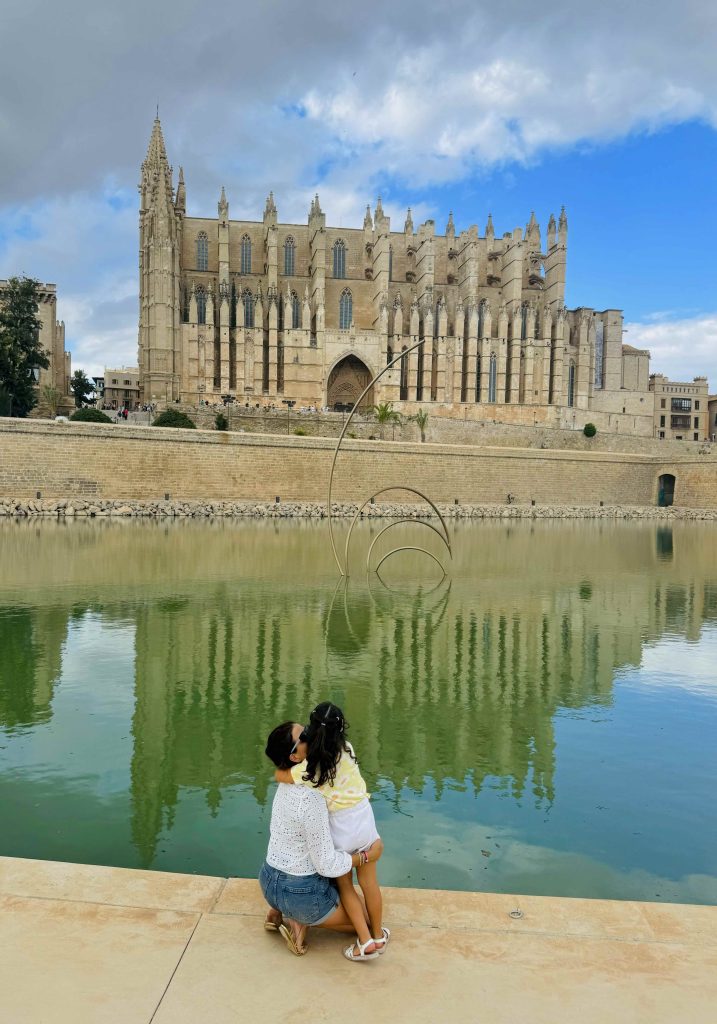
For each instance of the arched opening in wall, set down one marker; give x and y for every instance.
(232, 364)
(346, 382)
(666, 490)
(217, 362)
(403, 390)
(265, 372)
(571, 385)
(476, 396)
(280, 365)
(434, 372)
(492, 378)
(419, 365)
(551, 373)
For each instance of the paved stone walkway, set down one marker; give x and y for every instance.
(95, 945)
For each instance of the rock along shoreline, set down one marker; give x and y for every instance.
(73, 508)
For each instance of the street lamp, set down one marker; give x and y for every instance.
(289, 403)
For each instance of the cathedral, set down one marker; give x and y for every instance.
(267, 312)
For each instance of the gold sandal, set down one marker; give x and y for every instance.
(291, 941)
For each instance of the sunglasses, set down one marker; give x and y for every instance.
(302, 739)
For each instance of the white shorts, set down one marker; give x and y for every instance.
(353, 829)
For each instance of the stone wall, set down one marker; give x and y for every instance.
(94, 461)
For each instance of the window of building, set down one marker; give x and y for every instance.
(697, 403)
(202, 251)
(680, 422)
(682, 405)
(345, 310)
(599, 354)
(114, 380)
(697, 422)
(523, 322)
(390, 263)
(696, 437)
(492, 378)
(339, 258)
(662, 435)
(571, 385)
(248, 300)
(245, 254)
(201, 297)
(663, 403)
(295, 310)
(289, 252)
(662, 421)
(481, 319)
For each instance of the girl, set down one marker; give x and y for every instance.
(331, 767)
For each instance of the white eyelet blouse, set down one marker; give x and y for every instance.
(300, 842)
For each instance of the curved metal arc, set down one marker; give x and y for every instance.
(394, 487)
(397, 522)
(363, 394)
(411, 547)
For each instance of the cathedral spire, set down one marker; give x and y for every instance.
(450, 226)
(408, 226)
(489, 229)
(156, 153)
(367, 221)
(551, 231)
(223, 205)
(379, 210)
(563, 225)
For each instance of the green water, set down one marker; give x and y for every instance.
(542, 722)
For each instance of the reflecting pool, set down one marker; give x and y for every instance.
(542, 721)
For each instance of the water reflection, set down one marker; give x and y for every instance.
(239, 626)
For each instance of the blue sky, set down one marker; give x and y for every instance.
(610, 111)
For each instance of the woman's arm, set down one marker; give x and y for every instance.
(327, 861)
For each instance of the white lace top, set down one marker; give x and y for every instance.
(300, 842)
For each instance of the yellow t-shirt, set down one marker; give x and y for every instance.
(348, 788)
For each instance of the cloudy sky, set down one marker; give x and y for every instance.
(463, 105)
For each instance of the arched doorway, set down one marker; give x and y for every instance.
(346, 382)
(666, 490)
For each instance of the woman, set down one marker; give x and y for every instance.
(301, 860)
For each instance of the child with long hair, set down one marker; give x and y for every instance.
(331, 767)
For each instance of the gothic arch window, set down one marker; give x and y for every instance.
(201, 297)
(389, 355)
(492, 377)
(599, 354)
(245, 254)
(571, 385)
(346, 309)
(339, 258)
(202, 251)
(523, 322)
(248, 300)
(390, 263)
(295, 310)
(481, 319)
(289, 252)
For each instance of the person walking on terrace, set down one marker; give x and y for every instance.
(301, 861)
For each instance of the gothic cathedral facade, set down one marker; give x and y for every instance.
(461, 324)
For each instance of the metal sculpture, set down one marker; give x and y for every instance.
(443, 533)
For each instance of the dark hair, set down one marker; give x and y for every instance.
(326, 740)
(279, 744)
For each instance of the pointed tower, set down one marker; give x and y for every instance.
(160, 228)
(450, 226)
(556, 263)
(408, 226)
(180, 203)
(490, 230)
(563, 227)
(552, 228)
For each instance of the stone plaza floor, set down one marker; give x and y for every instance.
(97, 945)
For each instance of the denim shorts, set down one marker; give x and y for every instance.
(308, 899)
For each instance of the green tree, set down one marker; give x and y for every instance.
(89, 415)
(421, 420)
(590, 430)
(221, 422)
(384, 413)
(81, 387)
(20, 350)
(51, 397)
(174, 418)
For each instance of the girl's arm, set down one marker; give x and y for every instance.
(283, 775)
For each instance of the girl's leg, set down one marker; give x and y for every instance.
(368, 880)
(354, 909)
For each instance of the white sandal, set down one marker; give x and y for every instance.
(382, 943)
(362, 954)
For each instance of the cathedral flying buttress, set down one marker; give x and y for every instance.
(263, 312)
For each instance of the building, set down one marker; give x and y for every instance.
(52, 337)
(681, 408)
(121, 388)
(712, 417)
(266, 312)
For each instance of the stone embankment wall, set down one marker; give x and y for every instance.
(440, 430)
(97, 462)
(102, 509)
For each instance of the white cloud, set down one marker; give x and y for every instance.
(680, 348)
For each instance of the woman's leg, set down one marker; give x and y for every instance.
(368, 880)
(354, 909)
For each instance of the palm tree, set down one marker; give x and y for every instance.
(385, 413)
(421, 420)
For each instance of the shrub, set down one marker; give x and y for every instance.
(89, 416)
(300, 432)
(590, 430)
(174, 418)
(220, 421)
